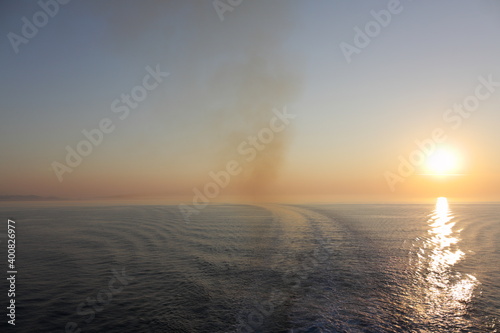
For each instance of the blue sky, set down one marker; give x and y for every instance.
(353, 119)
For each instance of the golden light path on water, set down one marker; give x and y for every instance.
(444, 293)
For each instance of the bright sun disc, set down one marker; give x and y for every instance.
(442, 161)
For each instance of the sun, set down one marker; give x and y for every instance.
(443, 160)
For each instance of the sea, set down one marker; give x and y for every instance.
(254, 268)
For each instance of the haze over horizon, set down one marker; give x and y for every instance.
(266, 101)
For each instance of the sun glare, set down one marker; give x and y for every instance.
(443, 161)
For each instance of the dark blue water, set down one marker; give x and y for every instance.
(256, 268)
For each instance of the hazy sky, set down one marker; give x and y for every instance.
(355, 115)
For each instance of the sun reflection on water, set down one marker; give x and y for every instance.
(443, 292)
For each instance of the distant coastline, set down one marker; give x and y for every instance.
(27, 198)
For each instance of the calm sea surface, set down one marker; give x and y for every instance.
(256, 268)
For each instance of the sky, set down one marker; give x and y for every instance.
(257, 100)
